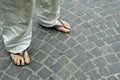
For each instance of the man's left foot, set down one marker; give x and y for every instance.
(62, 26)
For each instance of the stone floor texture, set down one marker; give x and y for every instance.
(91, 51)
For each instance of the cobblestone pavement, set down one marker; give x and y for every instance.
(91, 51)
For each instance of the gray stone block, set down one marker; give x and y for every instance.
(40, 56)
(13, 70)
(49, 61)
(62, 47)
(5, 63)
(33, 77)
(44, 73)
(116, 47)
(71, 42)
(88, 44)
(79, 49)
(63, 60)
(112, 78)
(46, 47)
(55, 54)
(96, 51)
(35, 65)
(81, 38)
(24, 74)
(112, 58)
(100, 62)
(87, 66)
(71, 67)
(109, 40)
(41, 35)
(99, 43)
(78, 60)
(114, 68)
(80, 75)
(94, 75)
(56, 67)
(64, 74)
(5, 77)
(104, 71)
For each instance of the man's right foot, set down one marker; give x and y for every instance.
(19, 59)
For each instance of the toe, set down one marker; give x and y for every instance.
(22, 61)
(26, 57)
(63, 29)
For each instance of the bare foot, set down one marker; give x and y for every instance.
(18, 59)
(62, 26)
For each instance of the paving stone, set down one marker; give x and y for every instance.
(32, 51)
(64, 74)
(112, 58)
(70, 53)
(4, 53)
(99, 43)
(79, 49)
(104, 71)
(102, 27)
(87, 66)
(80, 75)
(46, 47)
(101, 34)
(56, 67)
(78, 60)
(40, 56)
(44, 73)
(62, 47)
(33, 77)
(55, 54)
(36, 43)
(24, 74)
(71, 42)
(109, 40)
(117, 37)
(78, 20)
(73, 78)
(112, 78)
(53, 41)
(35, 66)
(96, 52)
(41, 35)
(110, 32)
(63, 60)
(118, 29)
(94, 29)
(116, 47)
(119, 76)
(49, 61)
(88, 44)
(1, 73)
(87, 56)
(5, 77)
(86, 25)
(114, 68)
(107, 49)
(81, 38)
(62, 37)
(94, 75)
(92, 37)
(13, 70)
(5, 63)
(100, 62)
(71, 67)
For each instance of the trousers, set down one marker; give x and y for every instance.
(16, 20)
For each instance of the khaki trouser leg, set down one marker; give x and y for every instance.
(48, 11)
(15, 19)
